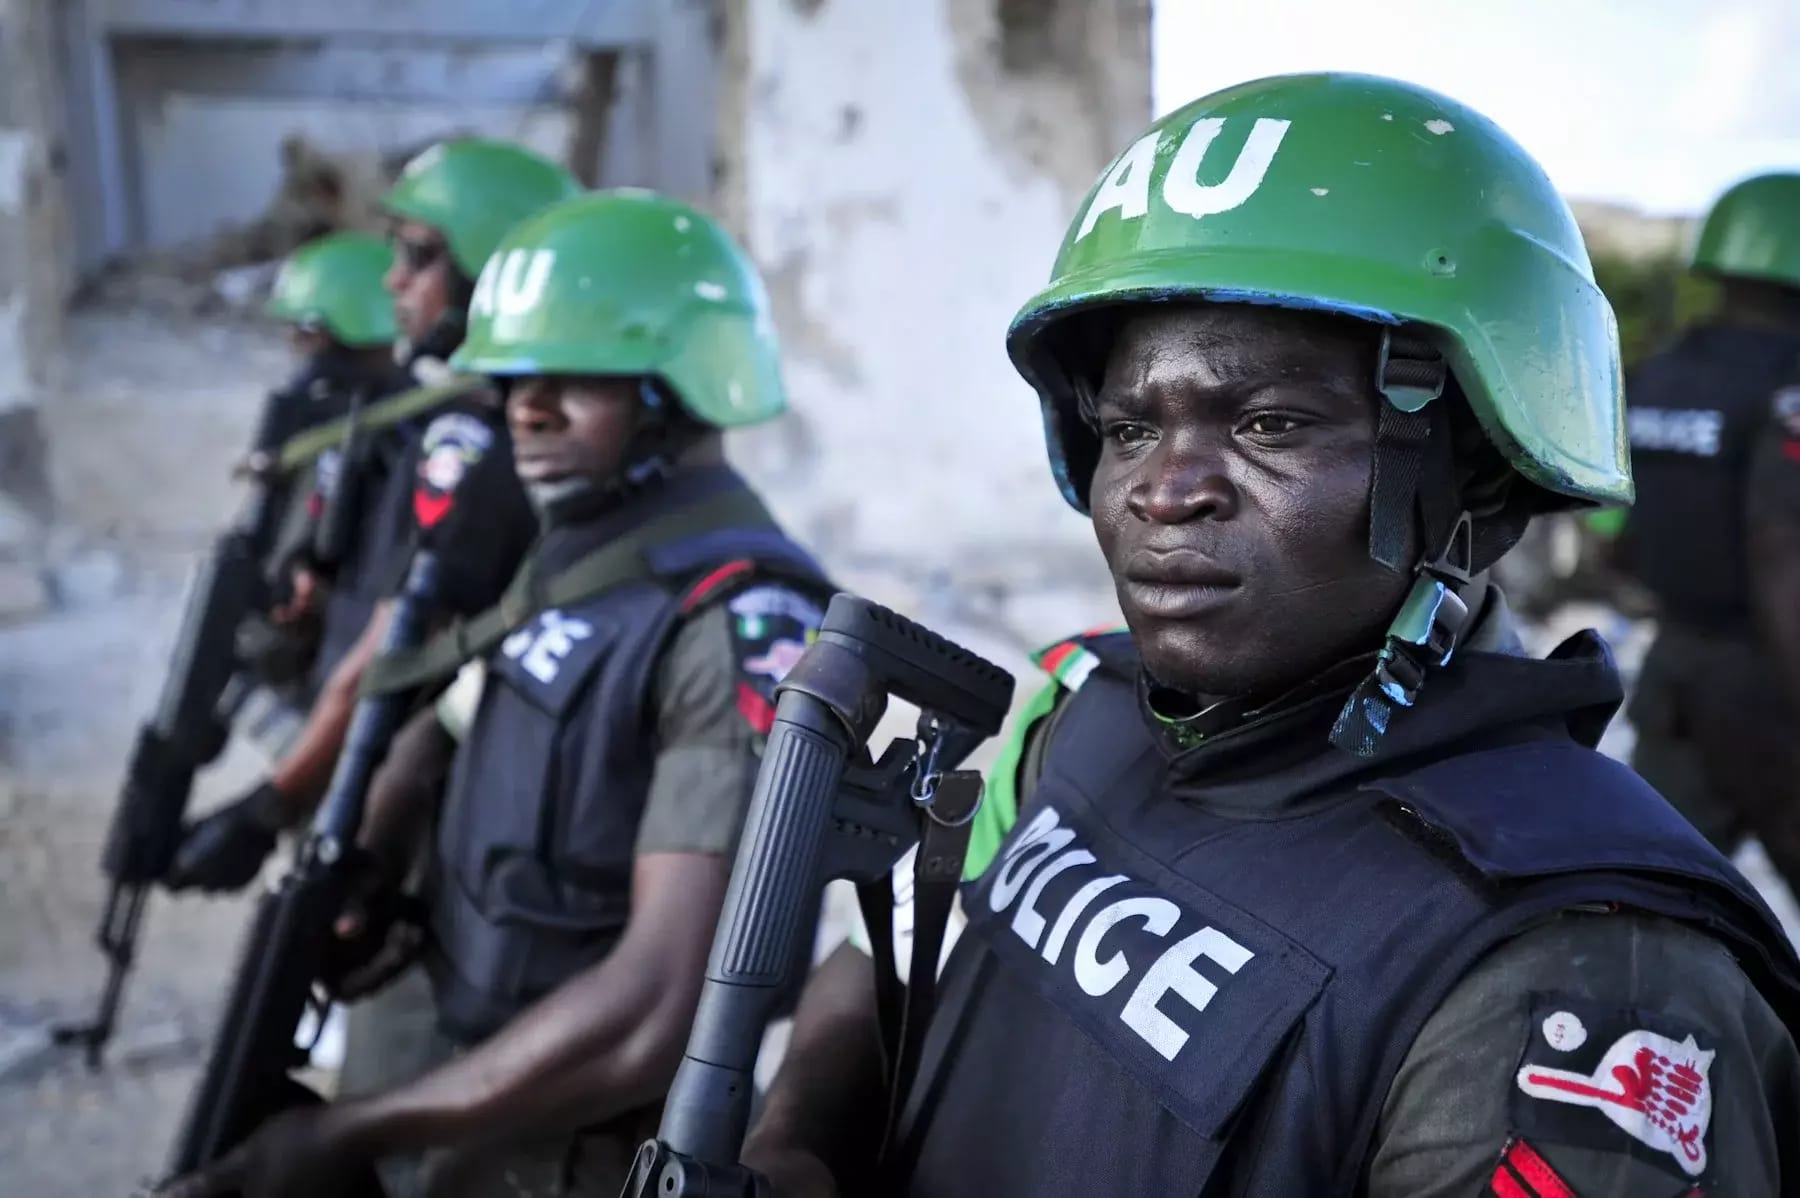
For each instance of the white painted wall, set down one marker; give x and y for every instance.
(904, 194)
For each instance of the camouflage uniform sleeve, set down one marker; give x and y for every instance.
(713, 702)
(1595, 1055)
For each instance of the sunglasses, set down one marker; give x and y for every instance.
(418, 255)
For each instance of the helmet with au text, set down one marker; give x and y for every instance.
(1753, 231)
(473, 190)
(1367, 197)
(634, 284)
(334, 283)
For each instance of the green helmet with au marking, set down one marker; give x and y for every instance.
(1753, 231)
(334, 283)
(630, 283)
(473, 190)
(1367, 197)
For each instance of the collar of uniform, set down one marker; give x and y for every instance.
(1266, 759)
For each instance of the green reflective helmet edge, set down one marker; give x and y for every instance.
(1367, 197)
(335, 282)
(630, 283)
(1753, 231)
(474, 191)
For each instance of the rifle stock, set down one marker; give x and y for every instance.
(816, 775)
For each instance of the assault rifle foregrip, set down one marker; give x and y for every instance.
(826, 709)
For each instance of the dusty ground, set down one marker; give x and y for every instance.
(151, 412)
(154, 407)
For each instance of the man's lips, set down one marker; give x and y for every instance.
(1176, 584)
(539, 467)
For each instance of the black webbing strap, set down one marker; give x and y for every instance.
(1410, 374)
(1400, 444)
(937, 868)
(620, 561)
(1414, 486)
(903, 1010)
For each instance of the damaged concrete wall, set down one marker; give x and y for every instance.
(903, 171)
(34, 285)
(33, 277)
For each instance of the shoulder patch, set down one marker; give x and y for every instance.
(1785, 407)
(1615, 1079)
(771, 626)
(452, 444)
(1071, 661)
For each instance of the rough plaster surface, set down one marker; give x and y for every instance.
(904, 190)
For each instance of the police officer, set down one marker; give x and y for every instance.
(1715, 708)
(1316, 885)
(329, 293)
(582, 849)
(450, 208)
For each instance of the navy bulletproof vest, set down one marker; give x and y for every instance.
(532, 874)
(1693, 416)
(1166, 1001)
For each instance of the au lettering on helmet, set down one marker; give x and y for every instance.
(512, 283)
(1126, 186)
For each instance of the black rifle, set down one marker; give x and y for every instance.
(336, 528)
(288, 947)
(191, 724)
(822, 809)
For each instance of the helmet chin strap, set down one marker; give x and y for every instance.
(1414, 487)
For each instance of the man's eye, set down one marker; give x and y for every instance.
(1271, 424)
(1125, 433)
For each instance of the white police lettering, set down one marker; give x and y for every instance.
(1023, 855)
(1677, 430)
(1125, 188)
(541, 647)
(512, 283)
(1043, 850)
(1182, 189)
(1098, 977)
(1174, 971)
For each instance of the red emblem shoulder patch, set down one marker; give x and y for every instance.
(1615, 1079)
(452, 444)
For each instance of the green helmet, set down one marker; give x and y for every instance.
(1367, 197)
(335, 282)
(474, 191)
(632, 283)
(1754, 231)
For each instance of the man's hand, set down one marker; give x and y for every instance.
(380, 933)
(226, 850)
(791, 1173)
(305, 599)
(306, 1152)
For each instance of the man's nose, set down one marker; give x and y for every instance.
(1182, 482)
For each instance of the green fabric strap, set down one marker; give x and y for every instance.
(615, 564)
(999, 809)
(299, 450)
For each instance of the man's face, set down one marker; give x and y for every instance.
(1232, 495)
(570, 428)
(419, 278)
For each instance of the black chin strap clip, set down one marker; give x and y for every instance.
(1414, 476)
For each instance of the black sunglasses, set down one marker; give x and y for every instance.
(418, 255)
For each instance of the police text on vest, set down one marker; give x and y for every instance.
(1044, 850)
